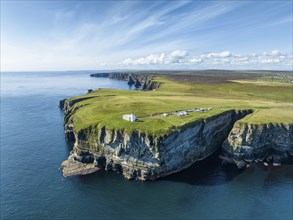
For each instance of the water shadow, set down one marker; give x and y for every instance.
(273, 174)
(206, 172)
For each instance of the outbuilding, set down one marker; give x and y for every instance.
(129, 117)
(182, 113)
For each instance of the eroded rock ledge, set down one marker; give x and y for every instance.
(147, 157)
(248, 143)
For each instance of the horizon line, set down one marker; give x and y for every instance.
(148, 70)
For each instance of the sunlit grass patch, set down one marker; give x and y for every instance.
(272, 102)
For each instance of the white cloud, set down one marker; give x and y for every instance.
(225, 54)
(270, 61)
(225, 60)
(177, 56)
(276, 53)
(195, 60)
(127, 61)
(220, 54)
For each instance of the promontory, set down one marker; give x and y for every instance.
(174, 118)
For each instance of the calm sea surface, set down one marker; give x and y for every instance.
(33, 146)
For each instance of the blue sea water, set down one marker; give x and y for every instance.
(33, 146)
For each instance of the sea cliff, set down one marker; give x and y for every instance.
(147, 157)
(163, 141)
(258, 143)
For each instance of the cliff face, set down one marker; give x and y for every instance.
(145, 157)
(68, 123)
(267, 143)
(62, 103)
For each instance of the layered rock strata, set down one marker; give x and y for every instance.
(258, 143)
(72, 167)
(147, 157)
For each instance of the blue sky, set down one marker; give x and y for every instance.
(74, 35)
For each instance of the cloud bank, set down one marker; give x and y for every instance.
(177, 56)
(223, 59)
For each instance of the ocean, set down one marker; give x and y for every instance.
(33, 147)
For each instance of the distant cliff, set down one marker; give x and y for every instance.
(99, 75)
(139, 80)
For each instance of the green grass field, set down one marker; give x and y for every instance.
(270, 100)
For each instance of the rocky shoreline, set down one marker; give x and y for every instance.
(73, 167)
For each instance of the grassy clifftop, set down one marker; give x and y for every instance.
(268, 94)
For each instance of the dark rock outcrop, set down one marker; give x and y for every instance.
(100, 75)
(69, 133)
(137, 84)
(61, 103)
(130, 81)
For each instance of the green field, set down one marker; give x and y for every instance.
(269, 95)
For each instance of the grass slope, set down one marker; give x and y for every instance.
(271, 98)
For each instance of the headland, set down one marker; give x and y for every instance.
(180, 117)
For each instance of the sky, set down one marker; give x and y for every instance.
(103, 35)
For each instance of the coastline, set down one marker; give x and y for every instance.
(110, 149)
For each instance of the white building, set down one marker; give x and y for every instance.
(131, 117)
(182, 113)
